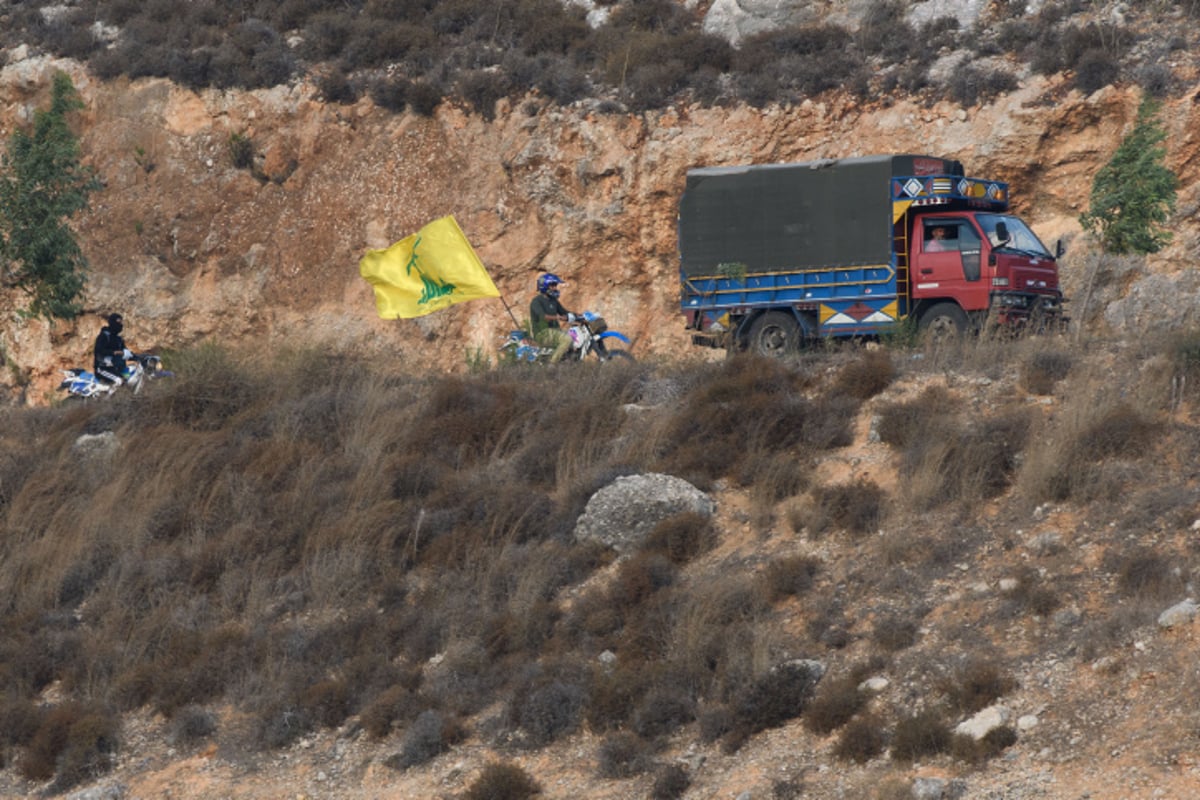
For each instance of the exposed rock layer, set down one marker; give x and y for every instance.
(191, 248)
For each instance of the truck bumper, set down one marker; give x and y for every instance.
(1019, 310)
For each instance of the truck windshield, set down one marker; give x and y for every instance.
(1020, 237)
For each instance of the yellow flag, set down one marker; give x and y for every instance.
(433, 269)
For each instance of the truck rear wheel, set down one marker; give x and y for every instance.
(943, 322)
(775, 334)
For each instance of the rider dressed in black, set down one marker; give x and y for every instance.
(109, 354)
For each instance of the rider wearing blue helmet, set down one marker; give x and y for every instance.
(546, 313)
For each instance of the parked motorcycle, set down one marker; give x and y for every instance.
(84, 385)
(589, 334)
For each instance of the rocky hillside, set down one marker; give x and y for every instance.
(1041, 597)
(984, 558)
(192, 248)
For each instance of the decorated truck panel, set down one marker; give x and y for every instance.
(773, 255)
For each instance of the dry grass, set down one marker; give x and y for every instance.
(316, 545)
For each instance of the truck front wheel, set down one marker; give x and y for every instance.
(774, 334)
(943, 322)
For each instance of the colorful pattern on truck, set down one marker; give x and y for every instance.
(944, 189)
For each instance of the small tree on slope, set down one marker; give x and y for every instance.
(1134, 193)
(42, 185)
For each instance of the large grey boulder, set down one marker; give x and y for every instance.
(1156, 302)
(984, 722)
(624, 512)
(1178, 614)
(96, 446)
(734, 20)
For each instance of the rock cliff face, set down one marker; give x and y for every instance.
(192, 248)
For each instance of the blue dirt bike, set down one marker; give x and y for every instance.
(589, 334)
(81, 384)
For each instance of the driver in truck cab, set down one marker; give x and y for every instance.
(936, 243)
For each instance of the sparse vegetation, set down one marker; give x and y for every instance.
(641, 57)
(315, 546)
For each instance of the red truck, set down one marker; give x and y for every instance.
(774, 255)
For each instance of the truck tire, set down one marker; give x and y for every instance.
(943, 322)
(774, 334)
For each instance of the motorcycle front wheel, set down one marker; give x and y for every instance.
(619, 355)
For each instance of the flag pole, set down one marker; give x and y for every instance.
(516, 325)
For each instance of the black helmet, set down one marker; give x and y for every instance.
(114, 323)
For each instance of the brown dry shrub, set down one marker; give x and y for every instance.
(20, 719)
(749, 406)
(790, 576)
(681, 537)
(714, 722)
(1032, 593)
(923, 734)
(856, 507)
(623, 755)
(903, 423)
(614, 694)
(663, 710)
(1145, 574)
(973, 751)
(867, 376)
(861, 739)
(328, 701)
(836, 702)
(1073, 459)
(894, 633)
(384, 711)
(639, 577)
(773, 477)
(502, 781)
(670, 783)
(770, 700)
(430, 734)
(73, 743)
(1043, 370)
(976, 685)
(547, 702)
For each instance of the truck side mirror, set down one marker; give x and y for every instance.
(1059, 249)
(1002, 231)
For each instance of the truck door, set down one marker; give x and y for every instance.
(947, 262)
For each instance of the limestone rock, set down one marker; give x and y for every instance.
(622, 513)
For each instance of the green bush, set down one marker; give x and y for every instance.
(1133, 195)
(43, 184)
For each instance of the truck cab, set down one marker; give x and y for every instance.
(991, 266)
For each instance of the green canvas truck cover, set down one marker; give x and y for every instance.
(791, 217)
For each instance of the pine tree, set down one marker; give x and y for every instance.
(1134, 193)
(42, 185)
